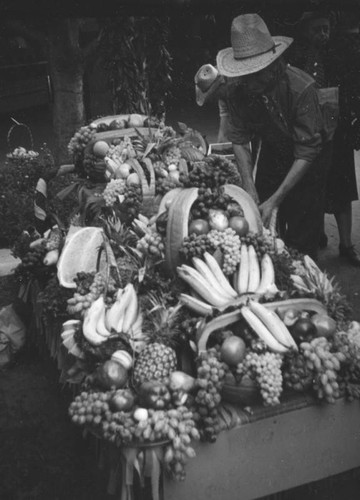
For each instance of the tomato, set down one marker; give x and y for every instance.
(303, 329)
(233, 350)
(324, 324)
(239, 224)
(199, 226)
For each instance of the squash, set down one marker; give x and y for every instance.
(177, 226)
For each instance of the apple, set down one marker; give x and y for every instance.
(239, 224)
(325, 325)
(233, 350)
(122, 400)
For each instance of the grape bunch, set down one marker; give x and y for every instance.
(171, 155)
(87, 293)
(195, 246)
(175, 425)
(166, 184)
(349, 375)
(325, 366)
(89, 408)
(296, 373)
(209, 199)
(200, 176)
(54, 298)
(32, 262)
(113, 189)
(81, 138)
(152, 245)
(132, 202)
(265, 368)
(229, 243)
(210, 380)
(94, 167)
(263, 243)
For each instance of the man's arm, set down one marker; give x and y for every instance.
(245, 166)
(295, 174)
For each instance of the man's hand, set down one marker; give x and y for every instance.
(267, 208)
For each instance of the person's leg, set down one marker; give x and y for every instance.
(344, 224)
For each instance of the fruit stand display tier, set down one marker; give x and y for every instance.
(110, 136)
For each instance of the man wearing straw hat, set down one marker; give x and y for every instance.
(279, 105)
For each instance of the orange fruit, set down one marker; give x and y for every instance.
(101, 149)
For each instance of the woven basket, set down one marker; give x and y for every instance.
(17, 126)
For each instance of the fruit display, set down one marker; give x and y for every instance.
(177, 302)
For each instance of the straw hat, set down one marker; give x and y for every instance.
(207, 81)
(253, 48)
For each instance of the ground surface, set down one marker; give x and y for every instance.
(42, 455)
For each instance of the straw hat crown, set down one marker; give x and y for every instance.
(250, 36)
(252, 47)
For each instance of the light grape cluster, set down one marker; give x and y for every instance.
(210, 380)
(82, 299)
(171, 156)
(325, 365)
(175, 425)
(229, 243)
(114, 188)
(152, 244)
(81, 138)
(265, 368)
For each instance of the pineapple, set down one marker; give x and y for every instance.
(158, 359)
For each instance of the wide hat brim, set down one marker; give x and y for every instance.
(203, 96)
(229, 66)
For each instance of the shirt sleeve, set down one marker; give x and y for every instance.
(307, 126)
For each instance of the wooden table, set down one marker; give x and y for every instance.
(300, 442)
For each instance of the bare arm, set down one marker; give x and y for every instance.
(245, 167)
(295, 174)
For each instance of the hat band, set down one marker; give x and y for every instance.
(271, 49)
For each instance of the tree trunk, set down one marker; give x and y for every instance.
(66, 64)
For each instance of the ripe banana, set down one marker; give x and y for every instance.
(90, 321)
(201, 286)
(111, 315)
(274, 324)
(100, 325)
(131, 311)
(196, 305)
(122, 305)
(262, 331)
(267, 274)
(219, 275)
(206, 273)
(254, 270)
(243, 273)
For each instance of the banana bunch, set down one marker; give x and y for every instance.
(100, 321)
(69, 328)
(313, 279)
(268, 327)
(209, 282)
(253, 276)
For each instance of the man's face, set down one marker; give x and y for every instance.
(257, 83)
(317, 32)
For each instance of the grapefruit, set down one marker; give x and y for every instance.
(101, 148)
(80, 254)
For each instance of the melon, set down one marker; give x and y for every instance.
(80, 254)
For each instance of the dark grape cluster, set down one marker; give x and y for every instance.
(263, 243)
(349, 374)
(204, 175)
(195, 246)
(166, 184)
(32, 263)
(210, 380)
(296, 373)
(53, 298)
(132, 201)
(265, 368)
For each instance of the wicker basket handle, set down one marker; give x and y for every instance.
(11, 130)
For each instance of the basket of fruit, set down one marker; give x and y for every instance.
(20, 155)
